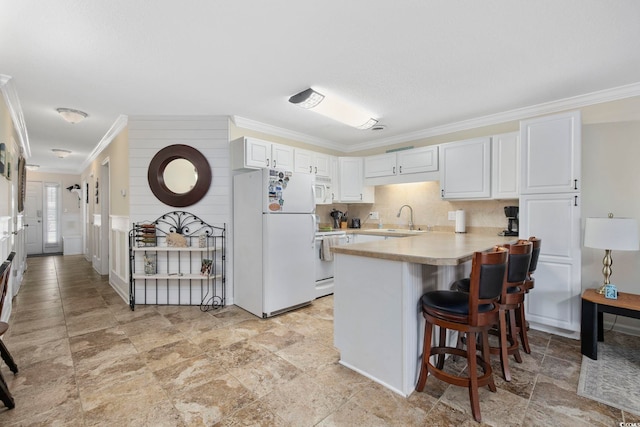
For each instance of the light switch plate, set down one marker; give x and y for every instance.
(374, 215)
(452, 215)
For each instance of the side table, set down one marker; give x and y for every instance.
(593, 307)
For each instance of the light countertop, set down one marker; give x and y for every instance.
(433, 247)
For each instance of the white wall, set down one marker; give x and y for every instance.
(209, 135)
(611, 183)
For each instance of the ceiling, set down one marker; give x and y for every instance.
(417, 65)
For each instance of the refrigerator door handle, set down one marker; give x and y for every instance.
(313, 230)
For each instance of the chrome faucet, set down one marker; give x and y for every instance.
(410, 219)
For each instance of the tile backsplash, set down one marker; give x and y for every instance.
(428, 209)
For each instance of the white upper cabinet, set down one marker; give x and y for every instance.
(322, 164)
(303, 160)
(380, 165)
(505, 166)
(351, 181)
(282, 156)
(466, 169)
(311, 162)
(254, 153)
(423, 159)
(550, 160)
(404, 162)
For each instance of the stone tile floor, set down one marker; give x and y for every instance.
(86, 359)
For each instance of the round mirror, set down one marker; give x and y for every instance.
(179, 175)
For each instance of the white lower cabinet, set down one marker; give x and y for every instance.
(554, 218)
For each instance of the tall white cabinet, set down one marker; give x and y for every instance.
(550, 210)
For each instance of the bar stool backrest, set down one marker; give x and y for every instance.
(535, 253)
(488, 270)
(518, 266)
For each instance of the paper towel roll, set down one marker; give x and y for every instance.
(460, 227)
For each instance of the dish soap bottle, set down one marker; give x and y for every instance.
(380, 223)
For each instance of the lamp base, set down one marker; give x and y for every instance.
(601, 289)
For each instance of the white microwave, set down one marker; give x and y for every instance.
(323, 191)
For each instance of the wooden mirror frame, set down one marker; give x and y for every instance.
(155, 175)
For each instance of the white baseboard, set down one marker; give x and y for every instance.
(555, 331)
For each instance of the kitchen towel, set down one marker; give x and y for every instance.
(325, 248)
(460, 226)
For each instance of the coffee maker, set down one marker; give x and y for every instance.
(511, 212)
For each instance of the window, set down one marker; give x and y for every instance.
(51, 214)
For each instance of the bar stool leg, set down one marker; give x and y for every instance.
(513, 337)
(504, 345)
(522, 325)
(473, 376)
(486, 355)
(5, 395)
(6, 356)
(442, 343)
(426, 353)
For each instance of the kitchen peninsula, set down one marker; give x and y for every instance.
(378, 323)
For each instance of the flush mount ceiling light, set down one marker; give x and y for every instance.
(334, 108)
(61, 153)
(72, 116)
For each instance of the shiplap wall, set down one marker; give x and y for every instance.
(209, 135)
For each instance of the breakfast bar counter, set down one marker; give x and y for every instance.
(378, 322)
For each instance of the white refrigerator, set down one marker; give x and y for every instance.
(273, 241)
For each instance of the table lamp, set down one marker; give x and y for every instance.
(610, 233)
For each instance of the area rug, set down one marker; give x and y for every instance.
(613, 379)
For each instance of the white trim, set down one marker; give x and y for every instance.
(120, 223)
(245, 123)
(607, 95)
(113, 131)
(15, 109)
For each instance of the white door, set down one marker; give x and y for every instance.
(550, 160)
(418, 160)
(351, 179)
(33, 217)
(380, 165)
(289, 255)
(466, 169)
(505, 166)
(554, 218)
(282, 156)
(303, 161)
(287, 192)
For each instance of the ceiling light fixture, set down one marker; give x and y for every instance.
(60, 153)
(334, 108)
(72, 116)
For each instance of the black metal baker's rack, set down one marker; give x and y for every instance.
(178, 269)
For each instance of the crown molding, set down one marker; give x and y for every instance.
(113, 131)
(598, 97)
(579, 101)
(254, 125)
(15, 109)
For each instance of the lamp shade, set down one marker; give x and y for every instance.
(619, 234)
